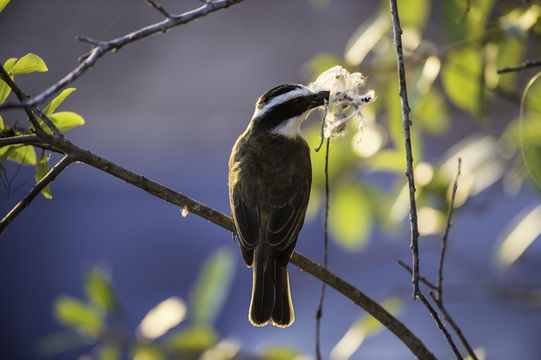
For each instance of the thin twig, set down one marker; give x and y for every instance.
(421, 278)
(466, 11)
(446, 233)
(525, 65)
(440, 325)
(326, 105)
(50, 124)
(319, 312)
(409, 157)
(88, 40)
(159, 7)
(116, 44)
(36, 189)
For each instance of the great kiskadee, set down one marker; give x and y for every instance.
(269, 187)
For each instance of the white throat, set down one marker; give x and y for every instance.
(290, 128)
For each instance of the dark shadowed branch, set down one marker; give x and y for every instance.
(104, 47)
(525, 65)
(409, 157)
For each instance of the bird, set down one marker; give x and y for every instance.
(270, 176)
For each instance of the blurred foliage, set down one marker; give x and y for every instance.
(96, 324)
(456, 80)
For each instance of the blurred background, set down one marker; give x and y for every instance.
(81, 271)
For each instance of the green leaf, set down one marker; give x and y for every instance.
(462, 78)
(413, 12)
(212, 286)
(78, 316)
(1, 123)
(57, 101)
(510, 53)
(148, 352)
(280, 353)
(99, 291)
(530, 128)
(350, 218)
(42, 168)
(194, 339)
(108, 352)
(5, 90)
(462, 23)
(431, 111)
(23, 154)
(3, 4)
(66, 120)
(28, 64)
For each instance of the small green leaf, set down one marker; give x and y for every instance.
(65, 120)
(350, 218)
(24, 154)
(1, 123)
(280, 353)
(99, 291)
(28, 64)
(42, 168)
(78, 316)
(462, 80)
(194, 339)
(431, 111)
(3, 4)
(414, 13)
(212, 287)
(4, 88)
(57, 101)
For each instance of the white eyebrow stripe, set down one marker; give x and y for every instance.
(281, 99)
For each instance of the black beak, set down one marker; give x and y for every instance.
(319, 98)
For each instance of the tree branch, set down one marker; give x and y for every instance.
(36, 189)
(113, 45)
(406, 123)
(159, 8)
(525, 65)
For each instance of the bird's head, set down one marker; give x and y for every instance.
(282, 109)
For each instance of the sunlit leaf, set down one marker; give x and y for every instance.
(78, 316)
(148, 352)
(350, 217)
(3, 4)
(279, 353)
(1, 122)
(388, 160)
(65, 120)
(431, 111)
(461, 22)
(57, 101)
(413, 12)
(24, 154)
(108, 352)
(430, 220)
(161, 318)
(357, 333)
(462, 78)
(510, 53)
(42, 168)
(226, 349)
(4, 88)
(99, 291)
(519, 235)
(28, 64)
(365, 38)
(194, 339)
(212, 287)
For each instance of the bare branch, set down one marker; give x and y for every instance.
(159, 8)
(20, 139)
(406, 123)
(319, 312)
(116, 44)
(440, 325)
(36, 189)
(421, 278)
(446, 234)
(525, 65)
